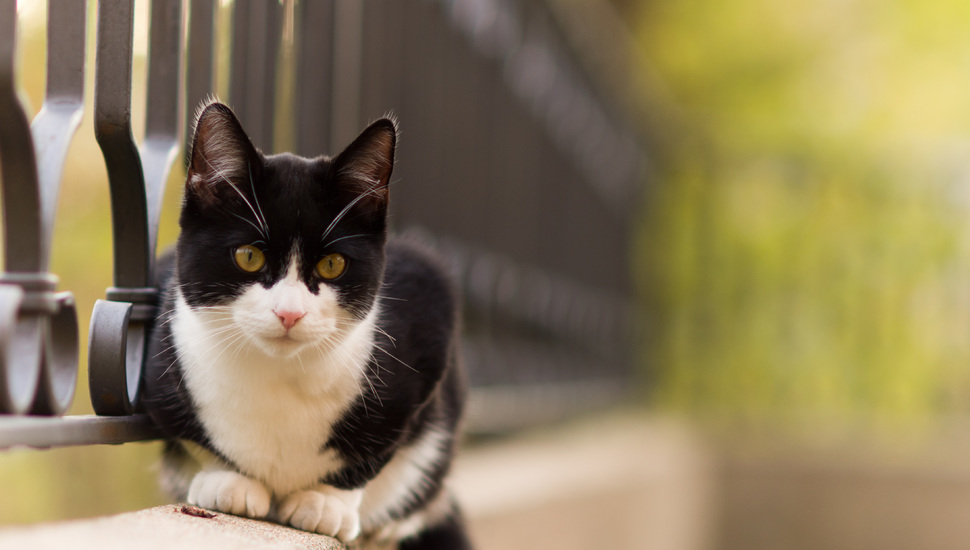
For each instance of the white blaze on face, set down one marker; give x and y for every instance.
(287, 317)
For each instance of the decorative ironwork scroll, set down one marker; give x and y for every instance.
(38, 366)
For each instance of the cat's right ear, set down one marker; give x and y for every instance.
(223, 160)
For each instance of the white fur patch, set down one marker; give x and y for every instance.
(229, 492)
(393, 488)
(323, 510)
(267, 396)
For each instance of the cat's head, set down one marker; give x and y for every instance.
(287, 250)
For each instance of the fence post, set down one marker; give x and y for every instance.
(119, 324)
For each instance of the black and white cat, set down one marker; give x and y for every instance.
(304, 365)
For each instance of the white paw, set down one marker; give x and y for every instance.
(229, 492)
(326, 514)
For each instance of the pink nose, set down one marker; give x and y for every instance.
(289, 317)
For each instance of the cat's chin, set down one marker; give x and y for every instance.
(280, 346)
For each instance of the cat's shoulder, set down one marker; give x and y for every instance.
(415, 272)
(410, 257)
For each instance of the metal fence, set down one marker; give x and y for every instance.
(511, 164)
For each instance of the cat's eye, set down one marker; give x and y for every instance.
(331, 266)
(249, 258)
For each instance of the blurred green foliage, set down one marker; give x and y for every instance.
(804, 255)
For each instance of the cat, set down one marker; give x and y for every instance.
(304, 366)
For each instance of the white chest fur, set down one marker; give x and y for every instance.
(270, 414)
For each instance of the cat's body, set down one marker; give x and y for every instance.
(305, 366)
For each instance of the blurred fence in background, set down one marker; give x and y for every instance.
(511, 163)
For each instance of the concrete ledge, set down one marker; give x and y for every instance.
(619, 481)
(165, 527)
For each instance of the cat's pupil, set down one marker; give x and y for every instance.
(331, 266)
(249, 258)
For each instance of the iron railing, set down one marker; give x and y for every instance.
(511, 164)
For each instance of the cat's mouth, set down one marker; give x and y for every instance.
(285, 344)
(286, 339)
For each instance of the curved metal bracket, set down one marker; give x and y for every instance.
(17, 385)
(58, 378)
(115, 382)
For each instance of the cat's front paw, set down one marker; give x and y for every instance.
(327, 514)
(229, 492)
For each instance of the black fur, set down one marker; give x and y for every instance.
(449, 534)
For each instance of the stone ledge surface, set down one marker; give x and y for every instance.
(165, 527)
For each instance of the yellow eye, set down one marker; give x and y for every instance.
(249, 258)
(331, 266)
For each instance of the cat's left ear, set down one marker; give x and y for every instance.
(223, 159)
(365, 165)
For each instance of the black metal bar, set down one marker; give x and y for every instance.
(137, 178)
(314, 62)
(112, 129)
(53, 130)
(255, 46)
(20, 362)
(111, 377)
(199, 60)
(22, 215)
(163, 109)
(345, 104)
(67, 431)
(54, 126)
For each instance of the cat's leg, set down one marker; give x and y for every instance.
(176, 471)
(230, 492)
(325, 510)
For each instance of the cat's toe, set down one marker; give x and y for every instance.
(319, 513)
(229, 492)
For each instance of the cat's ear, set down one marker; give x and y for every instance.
(364, 167)
(223, 158)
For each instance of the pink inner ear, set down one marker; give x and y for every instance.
(367, 163)
(221, 153)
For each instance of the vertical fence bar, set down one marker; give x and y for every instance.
(314, 50)
(163, 109)
(113, 131)
(119, 324)
(115, 343)
(20, 364)
(199, 61)
(348, 34)
(53, 130)
(22, 205)
(255, 46)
